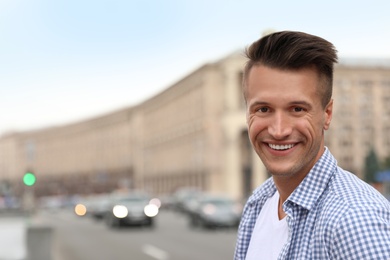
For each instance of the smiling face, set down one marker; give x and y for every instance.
(286, 120)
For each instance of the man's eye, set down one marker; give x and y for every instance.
(298, 109)
(264, 109)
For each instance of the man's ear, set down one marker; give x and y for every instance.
(328, 113)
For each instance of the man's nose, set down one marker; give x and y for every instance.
(280, 126)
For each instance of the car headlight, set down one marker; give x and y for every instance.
(120, 211)
(156, 202)
(80, 209)
(151, 210)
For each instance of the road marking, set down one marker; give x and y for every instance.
(155, 252)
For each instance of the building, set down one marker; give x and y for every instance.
(74, 158)
(361, 119)
(192, 134)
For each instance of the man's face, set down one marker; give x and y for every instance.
(286, 120)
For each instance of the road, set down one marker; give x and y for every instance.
(83, 238)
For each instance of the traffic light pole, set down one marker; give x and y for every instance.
(28, 199)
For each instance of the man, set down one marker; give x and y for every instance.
(310, 208)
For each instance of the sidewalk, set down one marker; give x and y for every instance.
(13, 237)
(24, 237)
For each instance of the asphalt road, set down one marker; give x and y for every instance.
(83, 238)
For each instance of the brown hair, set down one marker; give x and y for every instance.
(288, 50)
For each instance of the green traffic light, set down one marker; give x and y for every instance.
(29, 179)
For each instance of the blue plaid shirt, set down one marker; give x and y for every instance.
(332, 214)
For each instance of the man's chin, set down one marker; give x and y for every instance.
(279, 172)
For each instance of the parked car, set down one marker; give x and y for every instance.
(130, 209)
(184, 198)
(215, 211)
(98, 205)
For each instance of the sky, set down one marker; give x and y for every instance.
(66, 61)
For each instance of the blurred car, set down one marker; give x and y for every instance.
(184, 198)
(98, 206)
(215, 211)
(130, 209)
(167, 201)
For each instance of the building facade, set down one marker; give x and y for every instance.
(193, 134)
(361, 119)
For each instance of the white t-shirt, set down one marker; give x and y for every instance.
(269, 234)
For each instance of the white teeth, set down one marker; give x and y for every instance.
(281, 147)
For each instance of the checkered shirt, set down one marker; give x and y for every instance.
(332, 214)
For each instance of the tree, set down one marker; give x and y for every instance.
(386, 163)
(372, 166)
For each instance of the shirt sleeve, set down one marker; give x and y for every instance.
(362, 233)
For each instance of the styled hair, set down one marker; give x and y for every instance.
(289, 50)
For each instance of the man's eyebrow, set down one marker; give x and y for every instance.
(302, 103)
(259, 103)
(292, 103)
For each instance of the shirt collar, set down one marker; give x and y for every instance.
(315, 182)
(266, 190)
